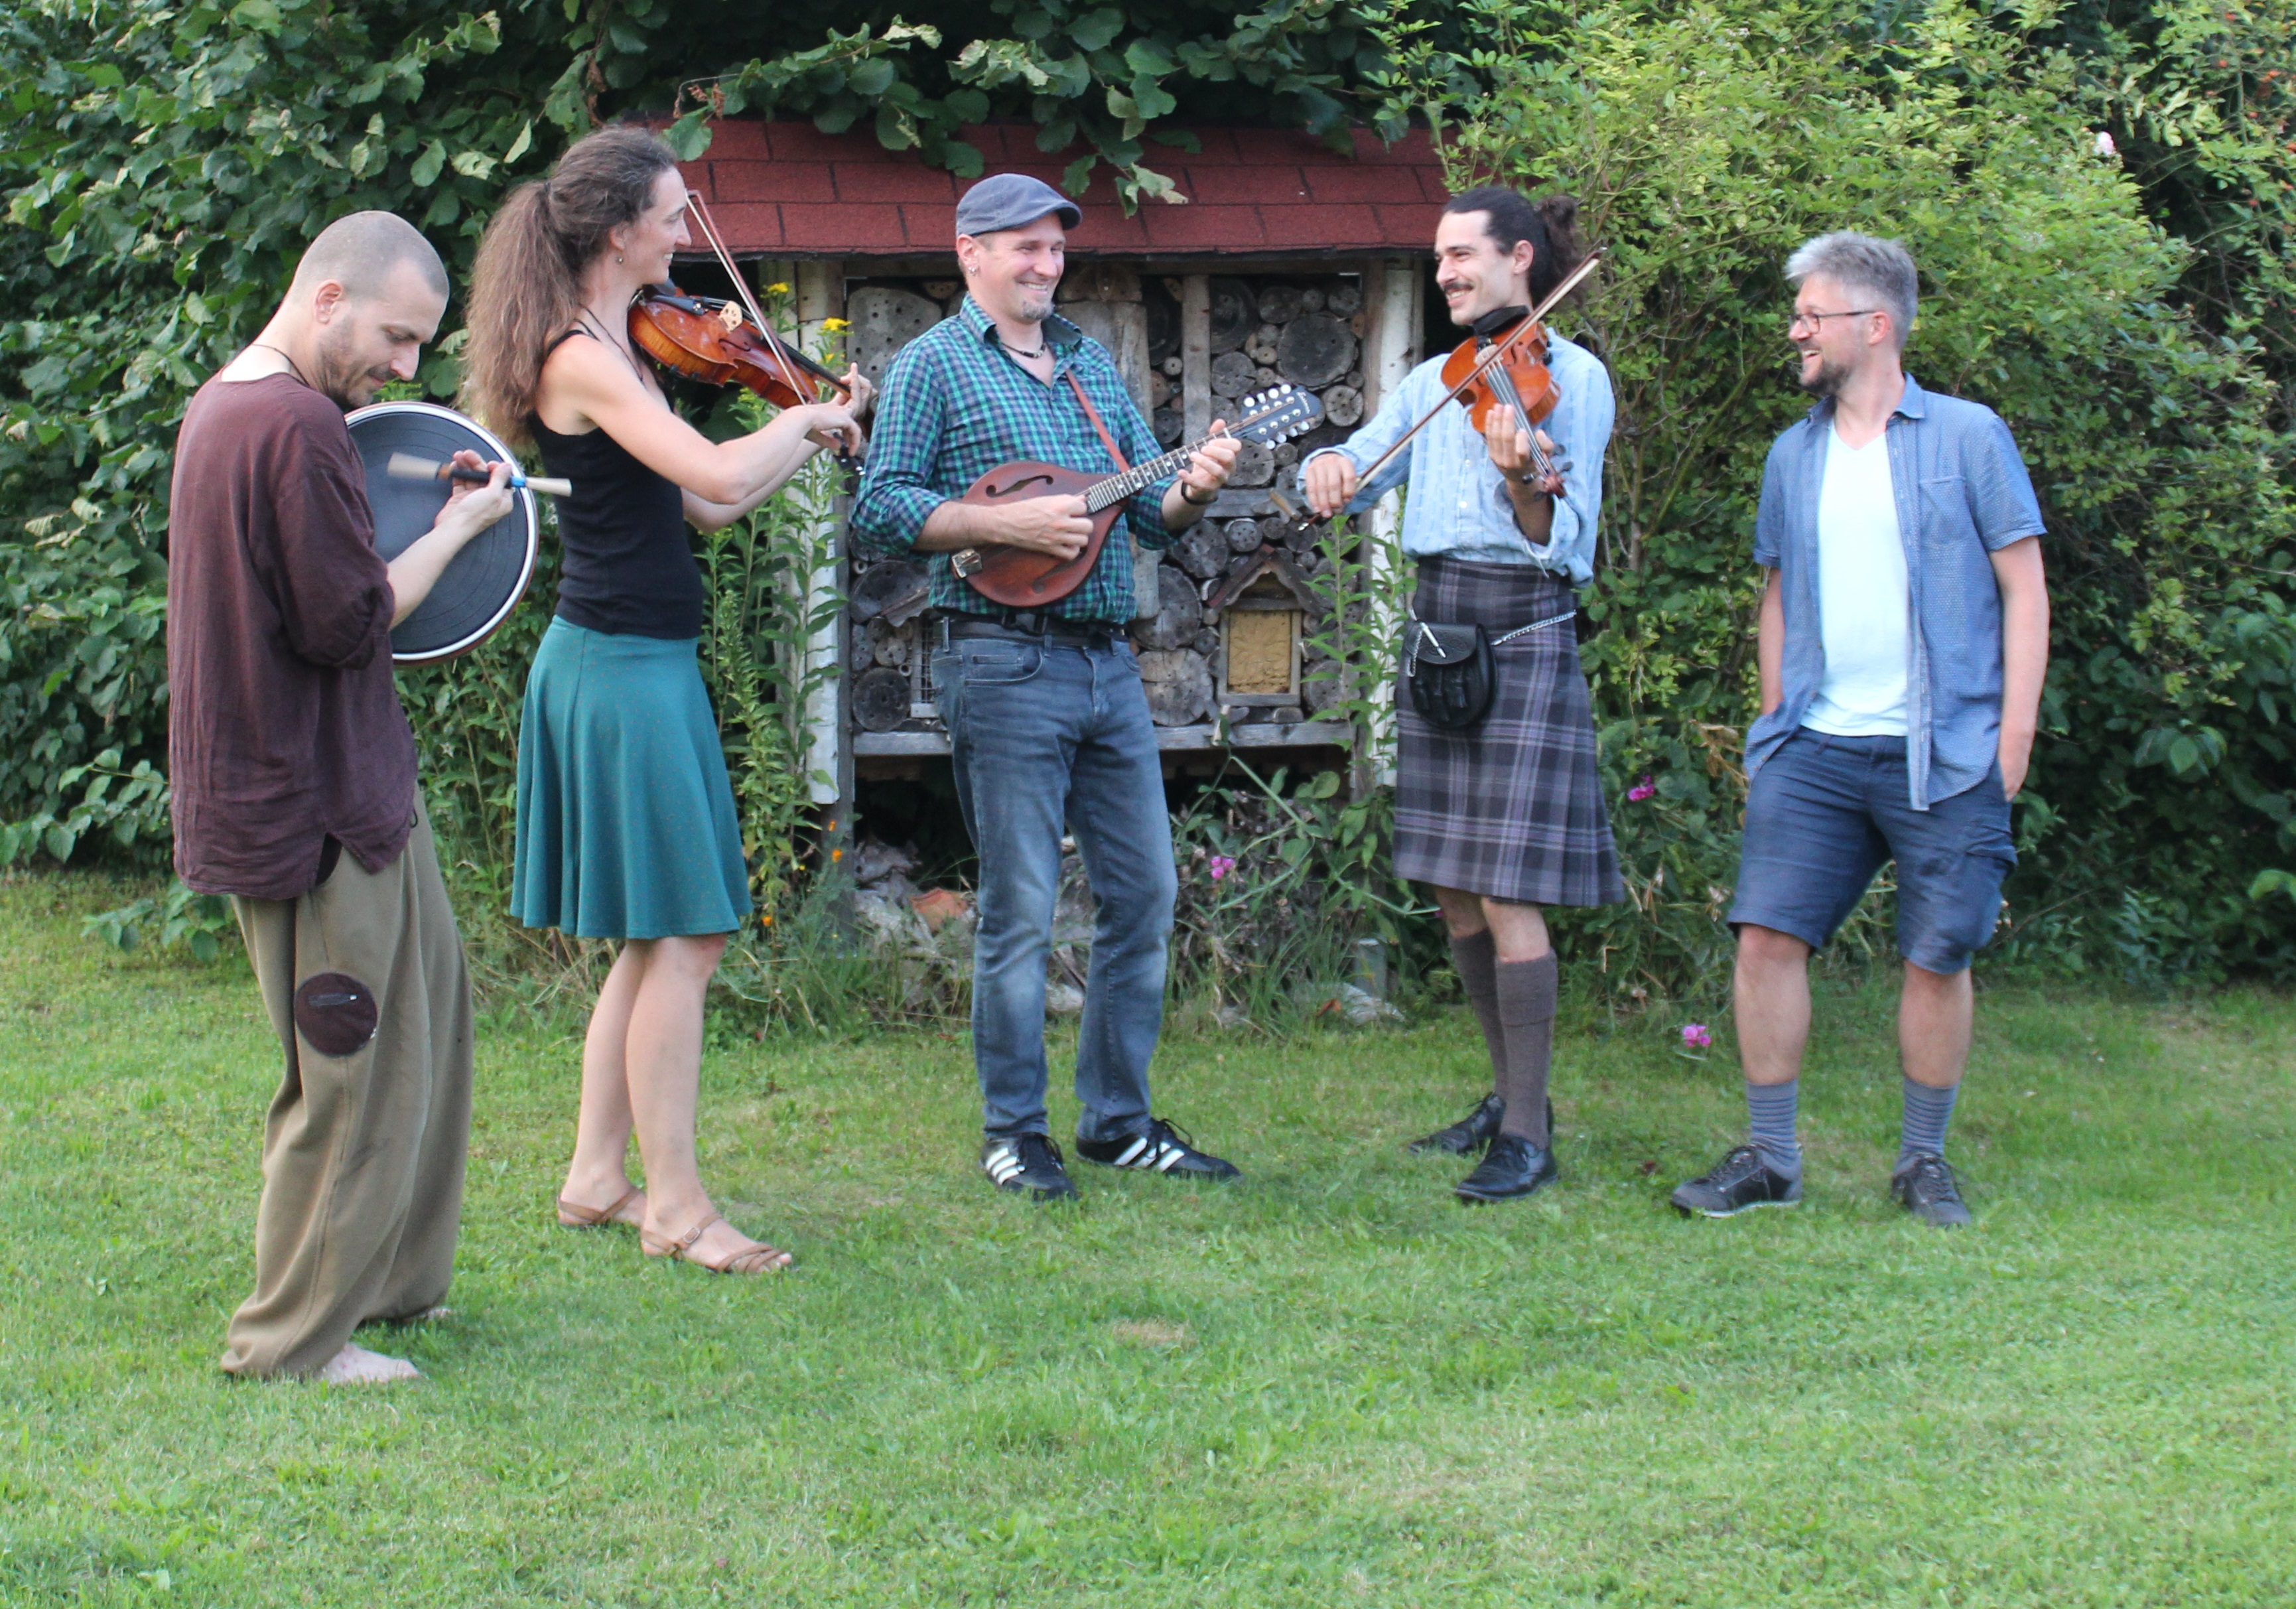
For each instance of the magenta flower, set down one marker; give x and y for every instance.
(1642, 790)
(1696, 1036)
(1221, 866)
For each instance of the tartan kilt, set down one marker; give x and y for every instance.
(1513, 807)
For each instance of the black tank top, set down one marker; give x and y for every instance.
(628, 568)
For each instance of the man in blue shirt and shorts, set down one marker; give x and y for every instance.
(1905, 636)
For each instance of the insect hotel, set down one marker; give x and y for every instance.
(1292, 263)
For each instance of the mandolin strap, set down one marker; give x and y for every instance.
(1093, 413)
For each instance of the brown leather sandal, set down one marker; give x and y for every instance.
(574, 1215)
(760, 1258)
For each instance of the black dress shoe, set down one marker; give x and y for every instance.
(1739, 1182)
(1159, 1148)
(1469, 1135)
(1510, 1170)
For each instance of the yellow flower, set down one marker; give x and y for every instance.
(777, 290)
(834, 325)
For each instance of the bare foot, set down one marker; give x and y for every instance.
(356, 1365)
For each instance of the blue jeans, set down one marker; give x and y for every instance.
(1825, 812)
(1045, 737)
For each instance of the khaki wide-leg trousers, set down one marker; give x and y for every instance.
(363, 1149)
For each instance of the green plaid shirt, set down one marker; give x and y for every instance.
(956, 406)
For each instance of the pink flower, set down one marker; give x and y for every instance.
(1642, 790)
(1695, 1036)
(2104, 145)
(1221, 866)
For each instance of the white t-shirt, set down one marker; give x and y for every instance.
(1863, 599)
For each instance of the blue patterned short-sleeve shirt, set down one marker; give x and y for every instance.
(1963, 495)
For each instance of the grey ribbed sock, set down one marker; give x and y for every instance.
(1770, 1111)
(1527, 996)
(1927, 1112)
(1476, 959)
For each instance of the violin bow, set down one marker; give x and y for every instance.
(794, 375)
(1499, 351)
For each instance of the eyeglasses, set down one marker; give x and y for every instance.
(1796, 319)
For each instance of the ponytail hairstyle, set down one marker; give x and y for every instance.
(1549, 223)
(526, 288)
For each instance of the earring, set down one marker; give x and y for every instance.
(618, 257)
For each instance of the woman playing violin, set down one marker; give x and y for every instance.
(1505, 817)
(626, 822)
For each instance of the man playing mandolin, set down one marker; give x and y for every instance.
(1502, 815)
(1048, 724)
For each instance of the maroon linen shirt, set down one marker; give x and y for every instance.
(284, 727)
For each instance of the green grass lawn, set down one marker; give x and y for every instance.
(1329, 1386)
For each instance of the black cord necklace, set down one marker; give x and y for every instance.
(293, 367)
(1021, 351)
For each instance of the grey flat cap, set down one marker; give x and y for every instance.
(1009, 200)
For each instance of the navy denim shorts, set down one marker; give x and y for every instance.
(1825, 812)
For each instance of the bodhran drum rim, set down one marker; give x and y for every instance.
(488, 445)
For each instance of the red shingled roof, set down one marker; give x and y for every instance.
(788, 190)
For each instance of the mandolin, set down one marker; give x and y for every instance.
(1021, 578)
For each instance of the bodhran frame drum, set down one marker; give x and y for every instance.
(481, 584)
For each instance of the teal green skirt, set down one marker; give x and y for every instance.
(626, 822)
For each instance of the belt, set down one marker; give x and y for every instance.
(1032, 626)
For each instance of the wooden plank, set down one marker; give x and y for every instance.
(1196, 354)
(872, 743)
(1259, 735)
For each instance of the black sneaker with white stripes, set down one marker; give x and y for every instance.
(1028, 1163)
(1159, 1148)
(1739, 1181)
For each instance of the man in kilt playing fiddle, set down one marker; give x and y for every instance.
(1504, 816)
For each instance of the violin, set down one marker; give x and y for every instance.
(1517, 382)
(722, 342)
(1485, 371)
(717, 341)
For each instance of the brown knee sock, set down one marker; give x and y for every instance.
(1527, 990)
(1477, 959)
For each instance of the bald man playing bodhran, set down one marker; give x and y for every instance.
(294, 792)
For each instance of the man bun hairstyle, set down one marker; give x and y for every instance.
(1867, 268)
(1550, 224)
(526, 288)
(362, 250)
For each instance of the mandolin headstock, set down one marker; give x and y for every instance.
(1277, 414)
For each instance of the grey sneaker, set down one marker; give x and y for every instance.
(1929, 1191)
(1739, 1182)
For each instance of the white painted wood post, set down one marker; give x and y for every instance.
(1395, 337)
(821, 296)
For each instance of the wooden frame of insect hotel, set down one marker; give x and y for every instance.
(1292, 262)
